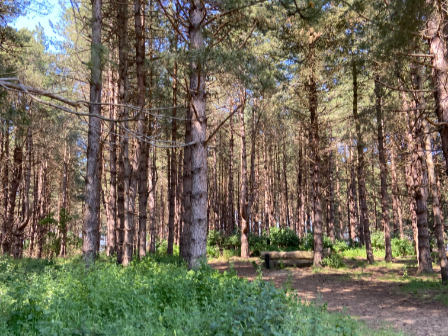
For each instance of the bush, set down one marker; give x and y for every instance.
(333, 260)
(258, 243)
(307, 242)
(377, 239)
(215, 238)
(162, 247)
(213, 251)
(340, 246)
(402, 247)
(284, 237)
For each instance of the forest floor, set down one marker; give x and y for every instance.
(383, 295)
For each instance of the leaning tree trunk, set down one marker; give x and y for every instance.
(198, 225)
(364, 220)
(382, 160)
(92, 202)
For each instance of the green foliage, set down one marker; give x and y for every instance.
(377, 239)
(213, 251)
(215, 238)
(162, 247)
(151, 297)
(258, 243)
(340, 246)
(402, 247)
(360, 252)
(333, 260)
(307, 242)
(284, 237)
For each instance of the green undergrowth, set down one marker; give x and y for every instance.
(157, 296)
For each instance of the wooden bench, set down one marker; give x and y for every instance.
(294, 258)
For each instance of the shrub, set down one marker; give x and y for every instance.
(307, 242)
(333, 260)
(340, 246)
(377, 239)
(284, 237)
(213, 251)
(233, 241)
(162, 247)
(215, 238)
(402, 247)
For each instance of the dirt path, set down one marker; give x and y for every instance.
(373, 294)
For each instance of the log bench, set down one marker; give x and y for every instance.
(274, 259)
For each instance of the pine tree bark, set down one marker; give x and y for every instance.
(173, 166)
(315, 161)
(438, 51)
(112, 198)
(244, 194)
(6, 245)
(198, 225)
(142, 146)
(364, 233)
(398, 224)
(63, 248)
(382, 160)
(92, 202)
(330, 208)
(338, 199)
(230, 201)
(438, 222)
(151, 201)
(352, 213)
(420, 176)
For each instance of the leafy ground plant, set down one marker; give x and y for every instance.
(157, 296)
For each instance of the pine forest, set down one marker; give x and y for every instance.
(224, 167)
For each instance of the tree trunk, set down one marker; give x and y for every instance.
(438, 223)
(6, 244)
(142, 146)
(382, 160)
(330, 208)
(338, 197)
(352, 213)
(438, 50)
(63, 221)
(152, 215)
(420, 176)
(364, 220)
(230, 196)
(198, 225)
(243, 196)
(173, 166)
(112, 199)
(92, 202)
(398, 224)
(315, 160)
